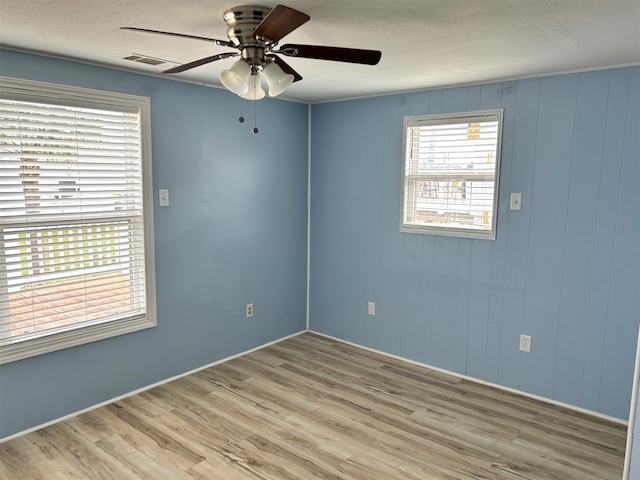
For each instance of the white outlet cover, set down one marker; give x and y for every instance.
(371, 308)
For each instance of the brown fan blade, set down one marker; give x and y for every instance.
(193, 37)
(337, 54)
(286, 68)
(202, 61)
(280, 21)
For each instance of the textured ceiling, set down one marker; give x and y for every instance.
(424, 43)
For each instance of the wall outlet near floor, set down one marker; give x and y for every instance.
(249, 310)
(371, 308)
(525, 343)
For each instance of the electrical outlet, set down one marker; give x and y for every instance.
(249, 310)
(525, 343)
(371, 308)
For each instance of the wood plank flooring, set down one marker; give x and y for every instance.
(314, 408)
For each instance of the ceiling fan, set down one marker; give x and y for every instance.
(255, 32)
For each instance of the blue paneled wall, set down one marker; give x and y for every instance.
(565, 269)
(235, 233)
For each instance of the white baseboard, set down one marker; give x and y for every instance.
(482, 382)
(143, 389)
(442, 370)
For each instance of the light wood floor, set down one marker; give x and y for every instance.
(311, 408)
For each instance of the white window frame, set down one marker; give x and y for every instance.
(448, 229)
(32, 91)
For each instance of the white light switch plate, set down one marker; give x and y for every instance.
(163, 197)
(516, 201)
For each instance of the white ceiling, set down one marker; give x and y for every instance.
(424, 43)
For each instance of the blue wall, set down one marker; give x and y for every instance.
(235, 233)
(633, 455)
(565, 269)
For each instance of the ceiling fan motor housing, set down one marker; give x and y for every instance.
(242, 21)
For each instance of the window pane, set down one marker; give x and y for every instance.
(72, 229)
(450, 174)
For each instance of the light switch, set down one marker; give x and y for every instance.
(163, 197)
(516, 201)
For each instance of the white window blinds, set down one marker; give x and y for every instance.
(72, 221)
(450, 174)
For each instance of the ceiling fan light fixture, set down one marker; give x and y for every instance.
(254, 31)
(254, 90)
(277, 80)
(236, 79)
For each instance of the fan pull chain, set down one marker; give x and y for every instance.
(255, 115)
(255, 111)
(241, 119)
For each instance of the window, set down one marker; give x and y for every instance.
(450, 174)
(76, 225)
